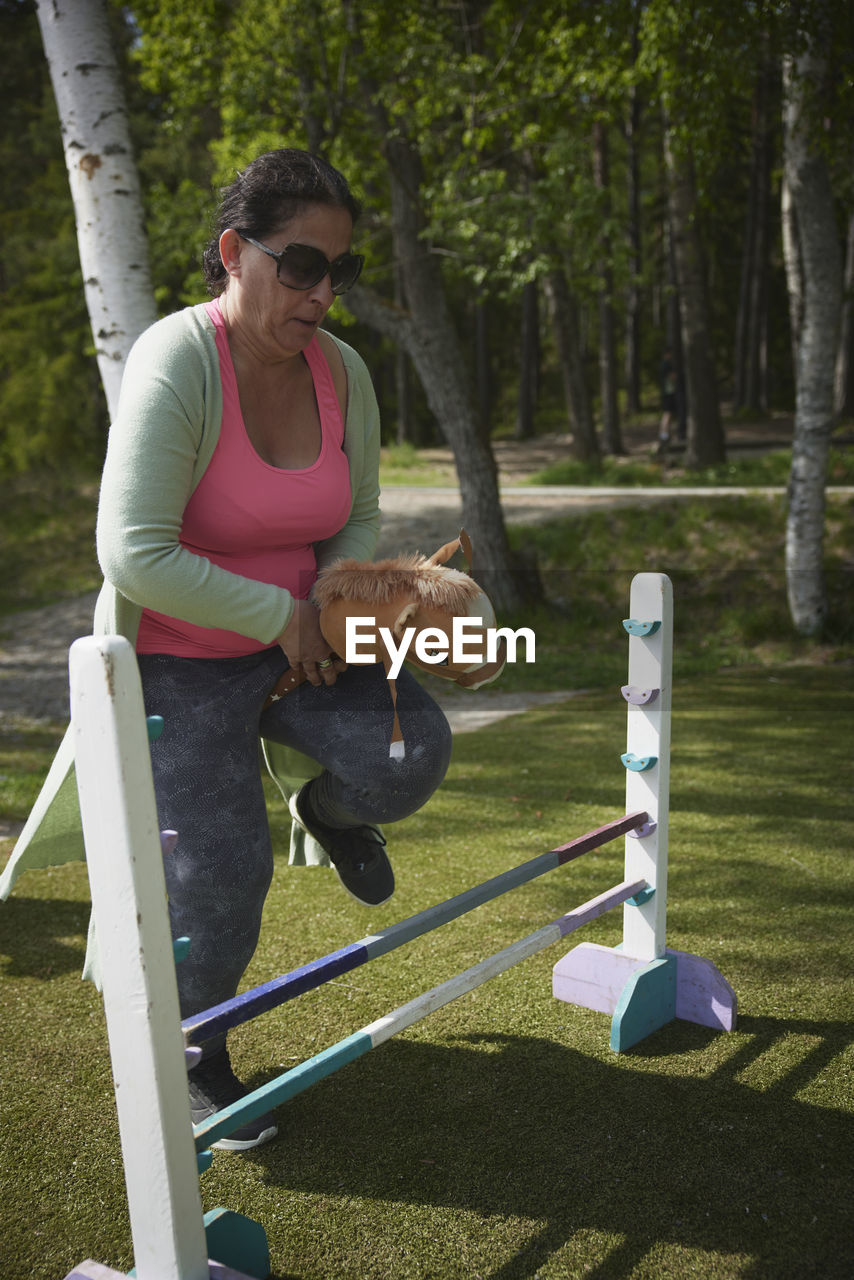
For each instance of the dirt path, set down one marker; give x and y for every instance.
(34, 644)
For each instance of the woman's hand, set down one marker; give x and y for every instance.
(305, 648)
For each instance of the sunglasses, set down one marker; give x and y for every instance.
(301, 266)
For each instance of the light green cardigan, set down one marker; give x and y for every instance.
(164, 436)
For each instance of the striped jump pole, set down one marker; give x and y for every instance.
(287, 1086)
(260, 999)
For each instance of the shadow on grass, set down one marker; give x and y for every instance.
(40, 936)
(497, 1125)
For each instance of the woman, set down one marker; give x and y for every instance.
(244, 457)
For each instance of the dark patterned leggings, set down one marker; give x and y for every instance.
(207, 780)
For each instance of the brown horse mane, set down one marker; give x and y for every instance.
(433, 585)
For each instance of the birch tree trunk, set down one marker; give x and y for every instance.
(103, 179)
(844, 392)
(811, 194)
(794, 268)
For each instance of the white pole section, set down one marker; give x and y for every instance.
(648, 740)
(140, 992)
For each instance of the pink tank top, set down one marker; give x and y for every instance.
(255, 519)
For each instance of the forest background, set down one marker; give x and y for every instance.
(555, 194)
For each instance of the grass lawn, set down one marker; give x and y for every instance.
(500, 1138)
(771, 468)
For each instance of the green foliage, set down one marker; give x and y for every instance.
(522, 170)
(178, 217)
(702, 59)
(177, 50)
(172, 69)
(498, 100)
(51, 406)
(47, 538)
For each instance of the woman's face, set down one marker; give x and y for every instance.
(274, 321)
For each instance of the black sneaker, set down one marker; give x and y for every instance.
(357, 853)
(213, 1086)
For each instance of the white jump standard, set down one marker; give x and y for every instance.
(642, 983)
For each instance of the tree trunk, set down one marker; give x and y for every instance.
(742, 319)
(794, 269)
(405, 433)
(103, 179)
(673, 334)
(427, 331)
(405, 426)
(843, 400)
(750, 372)
(483, 367)
(705, 445)
(563, 311)
(529, 371)
(819, 251)
(611, 436)
(632, 356)
(756, 384)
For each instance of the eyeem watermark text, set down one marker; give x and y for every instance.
(471, 643)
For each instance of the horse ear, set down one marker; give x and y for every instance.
(444, 553)
(406, 612)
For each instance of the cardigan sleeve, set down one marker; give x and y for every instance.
(171, 399)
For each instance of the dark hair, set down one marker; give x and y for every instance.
(267, 194)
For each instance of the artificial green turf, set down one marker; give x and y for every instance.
(500, 1137)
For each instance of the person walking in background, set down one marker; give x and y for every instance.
(669, 406)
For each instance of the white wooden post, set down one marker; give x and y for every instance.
(648, 735)
(136, 960)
